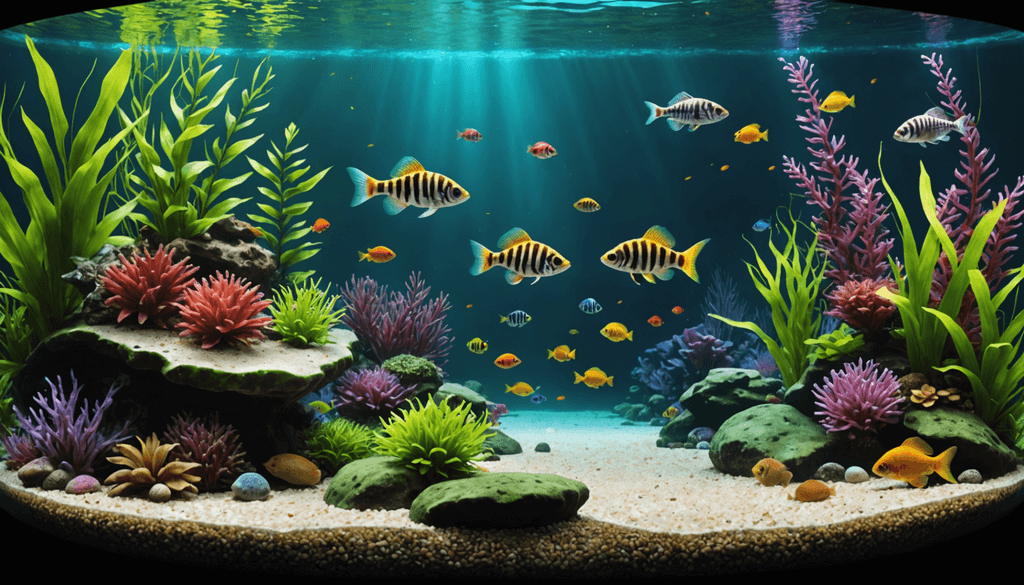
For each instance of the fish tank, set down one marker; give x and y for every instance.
(687, 288)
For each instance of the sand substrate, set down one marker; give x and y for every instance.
(651, 510)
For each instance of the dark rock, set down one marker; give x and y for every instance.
(677, 429)
(542, 448)
(475, 387)
(725, 392)
(374, 483)
(57, 480)
(226, 248)
(977, 445)
(33, 473)
(501, 444)
(830, 471)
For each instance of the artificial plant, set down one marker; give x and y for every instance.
(280, 215)
(306, 316)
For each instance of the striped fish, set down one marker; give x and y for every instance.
(932, 127)
(590, 306)
(520, 255)
(653, 254)
(516, 318)
(587, 205)
(410, 184)
(684, 109)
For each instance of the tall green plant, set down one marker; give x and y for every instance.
(64, 216)
(794, 314)
(280, 215)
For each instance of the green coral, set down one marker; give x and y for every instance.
(337, 443)
(838, 343)
(434, 439)
(306, 316)
(407, 366)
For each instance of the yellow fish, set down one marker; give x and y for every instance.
(750, 134)
(410, 184)
(519, 389)
(836, 101)
(520, 255)
(507, 360)
(320, 406)
(379, 254)
(911, 462)
(670, 412)
(562, 353)
(652, 255)
(616, 332)
(771, 472)
(593, 377)
(573, 332)
(587, 205)
(812, 490)
(477, 345)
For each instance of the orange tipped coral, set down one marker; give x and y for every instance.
(148, 468)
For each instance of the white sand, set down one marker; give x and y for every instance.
(632, 483)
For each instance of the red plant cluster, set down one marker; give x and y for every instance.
(148, 286)
(856, 303)
(223, 309)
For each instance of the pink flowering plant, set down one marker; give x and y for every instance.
(858, 399)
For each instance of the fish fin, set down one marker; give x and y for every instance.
(481, 258)
(764, 135)
(787, 477)
(364, 186)
(428, 212)
(610, 378)
(945, 459)
(937, 112)
(393, 207)
(361, 255)
(961, 124)
(680, 97)
(923, 145)
(660, 235)
(457, 134)
(551, 353)
(693, 127)
(688, 259)
(535, 281)
(512, 278)
(633, 276)
(918, 481)
(675, 125)
(629, 336)
(579, 378)
(512, 237)
(851, 104)
(918, 444)
(572, 354)
(507, 388)
(503, 319)
(666, 274)
(647, 276)
(405, 166)
(654, 112)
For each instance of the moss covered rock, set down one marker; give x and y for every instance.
(374, 483)
(727, 391)
(978, 446)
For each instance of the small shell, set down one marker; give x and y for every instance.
(812, 490)
(294, 469)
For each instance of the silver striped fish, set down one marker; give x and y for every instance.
(516, 318)
(520, 255)
(653, 255)
(932, 127)
(410, 184)
(684, 109)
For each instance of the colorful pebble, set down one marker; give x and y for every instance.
(82, 484)
(250, 487)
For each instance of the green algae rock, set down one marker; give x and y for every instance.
(374, 483)
(977, 445)
(727, 391)
(414, 370)
(500, 500)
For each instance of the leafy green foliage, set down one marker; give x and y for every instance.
(434, 439)
(279, 214)
(838, 343)
(306, 316)
(336, 443)
(17, 339)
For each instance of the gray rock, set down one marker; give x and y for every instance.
(830, 471)
(970, 476)
(228, 246)
(159, 493)
(856, 474)
(374, 483)
(34, 472)
(250, 487)
(57, 480)
(703, 445)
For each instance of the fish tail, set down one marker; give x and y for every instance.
(579, 378)
(457, 134)
(945, 459)
(961, 124)
(764, 136)
(481, 259)
(507, 388)
(361, 255)
(852, 105)
(551, 353)
(365, 186)
(503, 319)
(688, 259)
(655, 114)
(572, 354)
(611, 378)
(629, 336)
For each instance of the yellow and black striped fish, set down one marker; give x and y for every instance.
(520, 255)
(653, 254)
(684, 109)
(410, 184)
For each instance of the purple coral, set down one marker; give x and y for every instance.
(394, 324)
(859, 399)
(66, 437)
(495, 411)
(215, 446)
(374, 392)
(705, 352)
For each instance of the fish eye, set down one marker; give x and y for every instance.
(457, 192)
(610, 256)
(557, 261)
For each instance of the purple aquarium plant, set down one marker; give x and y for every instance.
(859, 399)
(215, 446)
(373, 392)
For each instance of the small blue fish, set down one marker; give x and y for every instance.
(590, 306)
(537, 398)
(761, 225)
(516, 318)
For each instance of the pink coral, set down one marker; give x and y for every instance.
(856, 303)
(374, 391)
(859, 399)
(148, 286)
(223, 309)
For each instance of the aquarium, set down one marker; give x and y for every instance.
(685, 288)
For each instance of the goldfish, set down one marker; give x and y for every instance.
(320, 406)
(574, 332)
(911, 462)
(750, 134)
(590, 306)
(771, 472)
(812, 490)
(562, 353)
(594, 378)
(256, 231)
(932, 127)
(836, 101)
(410, 184)
(560, 398)
(519, 389)
(761, 225)
(507, 360)
(725, 167)
(469, 306)
(670, 412)
(616, 332)
(321, 225)
(520, 255)
(874, 80)
(542, 150)
(684, 109)
(771, 168)
(652, 254)
(587, 205)
(677, 309)
(469, 135)
(379, 254)
(477, 345)
(516, 318)
(655, 321)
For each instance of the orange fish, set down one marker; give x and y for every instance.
(469, 135)
(750, 134)
(771, 168)
(677, 309)
(771, 472)
(379, 254)
(321, 225)
(560, 398)
(911, 462)
(562, 353)
(655, 321)
(725, 167)
(507, 360)
(469, 306)
(812, 490)
(541, 150)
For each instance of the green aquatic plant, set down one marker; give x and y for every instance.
(64, 215)
(838, 343)
(434, 439)
(17, 339)
(306, 316)
(336, 443)
(793, 313)
(280, 215)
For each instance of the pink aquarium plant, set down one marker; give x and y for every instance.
(374, 392)
(859, 399)
(148, 286)
(222, 309)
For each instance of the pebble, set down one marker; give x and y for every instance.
(970, 476)
(830, 472)
(704, 445)
(57, 480)
(159, 493)
(82, 484)
(34, 472)
(699, 434)
(542, 448)
(250, 487)
(856, 475)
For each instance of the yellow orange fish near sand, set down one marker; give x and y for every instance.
(594, 378)
(912, 462)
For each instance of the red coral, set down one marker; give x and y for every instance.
(148, 286)
(856, 303)
(223, 309)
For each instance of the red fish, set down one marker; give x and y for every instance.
(469, 135)
(655, 321)
(321, 225)
(677, 309)
(542, 150)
